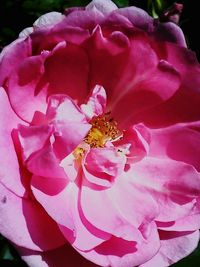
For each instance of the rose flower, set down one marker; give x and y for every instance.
(100, 140)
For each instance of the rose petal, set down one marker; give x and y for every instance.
(96, 103)
(178, 142)
(24, 223)
(9, 173)
(175, 188)
(71, 77)
(33, 138)
(174, 246)
(102, 6)
(55, 258)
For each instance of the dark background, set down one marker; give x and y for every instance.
(15, 15)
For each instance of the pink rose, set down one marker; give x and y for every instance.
(100, 140)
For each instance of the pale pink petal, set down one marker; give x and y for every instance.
(134, 143)
(86, 19)
(105, 161)
(96, 103)
(174, 246)
(9, 174)
(48, 20)
(24, 222)
(67, 118)
(103, 6)
(138, 17)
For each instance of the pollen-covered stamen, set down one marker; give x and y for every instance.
(104, 128)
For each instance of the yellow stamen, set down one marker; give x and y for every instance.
(103, 129)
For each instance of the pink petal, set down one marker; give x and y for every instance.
(174, 247)
(55, 196)
(60, 257)
(25, 223)
(85, 235)
(9, 174)
(175, 188)
(61, 203)
(118, 252)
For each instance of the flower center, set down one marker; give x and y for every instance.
(104, 129)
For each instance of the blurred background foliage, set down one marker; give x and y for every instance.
(15, 15)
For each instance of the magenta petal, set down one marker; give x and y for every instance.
(174, 246)
(24, 223)
(71, 75)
